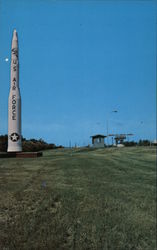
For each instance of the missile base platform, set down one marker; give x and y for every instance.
(20, 154)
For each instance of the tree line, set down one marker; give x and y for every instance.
(31, 145)
(139, 143)
(34, 145)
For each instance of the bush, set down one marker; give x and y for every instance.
(31, 145)
(130, 143)
(3, 143)
(144, 143)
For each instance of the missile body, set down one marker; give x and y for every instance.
(14, 102)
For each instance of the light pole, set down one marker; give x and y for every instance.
(107, 126)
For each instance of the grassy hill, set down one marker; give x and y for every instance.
(79, 199)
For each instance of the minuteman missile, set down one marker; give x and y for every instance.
(14, 104)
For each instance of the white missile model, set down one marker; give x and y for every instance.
(14, 104)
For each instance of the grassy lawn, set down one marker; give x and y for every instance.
(79, 199)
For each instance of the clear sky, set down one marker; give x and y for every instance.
(79, 61)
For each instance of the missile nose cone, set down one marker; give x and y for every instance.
(15, 34)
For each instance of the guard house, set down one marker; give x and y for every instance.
(98, 141)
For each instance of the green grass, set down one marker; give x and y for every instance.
(79, 199)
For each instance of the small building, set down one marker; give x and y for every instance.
(98, 141)
(119, 139)
(154, 143)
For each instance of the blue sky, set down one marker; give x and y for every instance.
(79, 61)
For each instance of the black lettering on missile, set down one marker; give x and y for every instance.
(14, 87)
(13, 107)
(14, 82)
(14, 68)
(14, 62)
(15, 52)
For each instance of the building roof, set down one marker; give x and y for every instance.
(119, 135)
(98, 136)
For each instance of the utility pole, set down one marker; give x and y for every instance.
(107, 133)
(107, 127)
